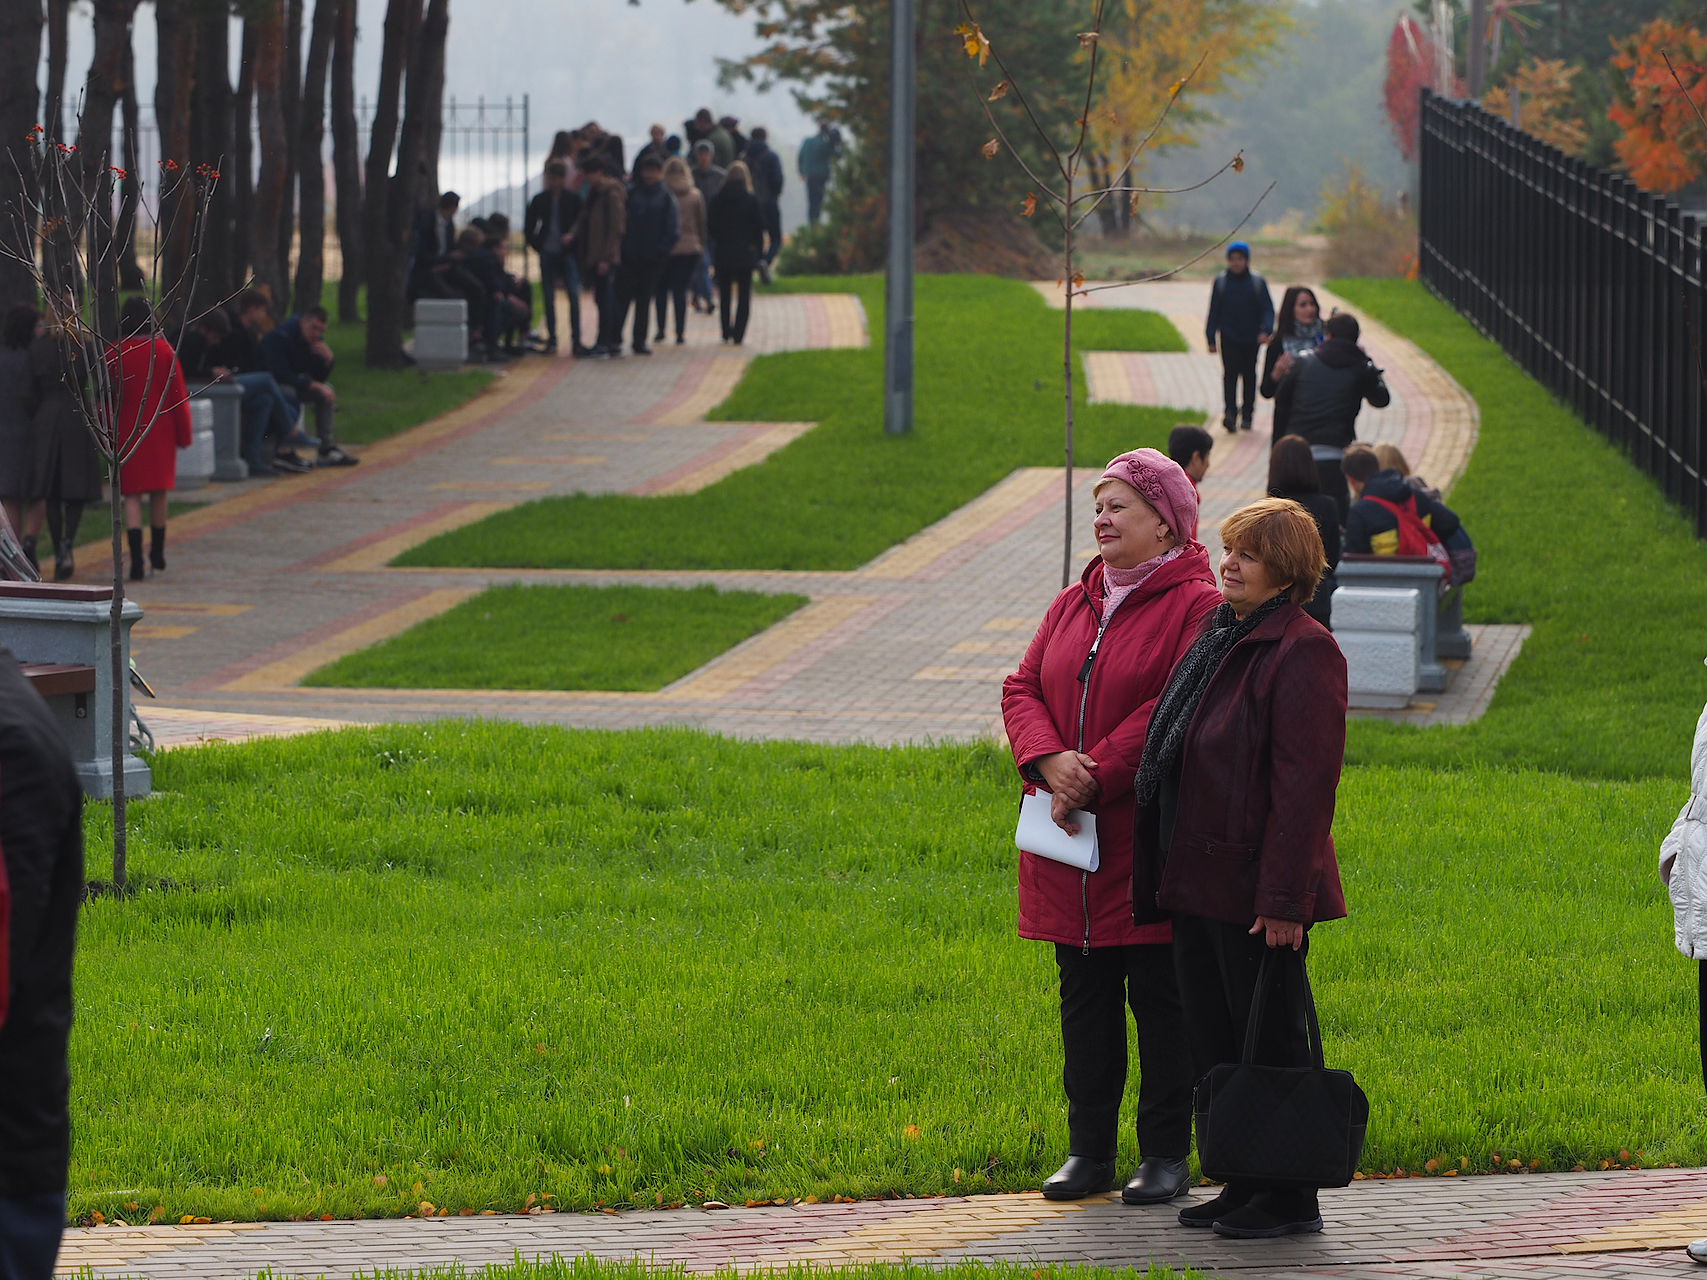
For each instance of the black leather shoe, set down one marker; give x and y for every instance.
(1271, 1214)
(1079, 1177)
(1205, 1212)
(1158, 1180)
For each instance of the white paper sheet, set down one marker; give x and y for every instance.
(1037, 833)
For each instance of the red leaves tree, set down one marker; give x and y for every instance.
(1664, 143)
(1412, 63)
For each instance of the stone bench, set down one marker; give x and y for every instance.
(441, 332)
(60, 633)
(225, 399)
(1443, 633)
(1379, 630)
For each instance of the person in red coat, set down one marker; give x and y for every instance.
(1076, 713)
(153, 402)
(1235, 809)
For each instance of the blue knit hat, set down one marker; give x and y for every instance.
(1238, 246)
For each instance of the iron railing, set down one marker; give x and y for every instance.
(1595, 287)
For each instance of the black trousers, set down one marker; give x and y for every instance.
(1217, 964)
(1333, 482)
(1704, 1022)
(559, 269)
(1238, 367)
(1096, 990)
(737, 280)
(673, 282)
(603, 288)
(636, 282)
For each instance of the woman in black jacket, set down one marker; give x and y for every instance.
(737, 235)
(1292, 473)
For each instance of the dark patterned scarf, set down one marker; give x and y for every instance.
(1165, 740)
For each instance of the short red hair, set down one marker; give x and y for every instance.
(1284, 537)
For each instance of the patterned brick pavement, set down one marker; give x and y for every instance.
(1611, 1225)
(266, 586)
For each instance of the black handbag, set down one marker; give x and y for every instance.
(1286, 1126)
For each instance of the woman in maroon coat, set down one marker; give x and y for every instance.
(1076, 713)
(153, 400)
(1235, 806)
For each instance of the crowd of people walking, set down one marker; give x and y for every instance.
(679, 229)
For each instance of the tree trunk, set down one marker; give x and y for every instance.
(58, 35)
(428, 106)
(290, 102)
(108, 66)
(311, 172)
(131, 279)
(346, 162)
(212, 141)
(268, 27)
(176, 41)
(20, 47)
(424, 91)
(242, 169)
(386, 262)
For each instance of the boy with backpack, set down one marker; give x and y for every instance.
(1390, 518)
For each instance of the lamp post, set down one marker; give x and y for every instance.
(898, 288)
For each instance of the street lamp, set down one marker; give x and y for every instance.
(898, 287)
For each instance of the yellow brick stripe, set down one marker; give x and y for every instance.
(951, 533)
(768, 650)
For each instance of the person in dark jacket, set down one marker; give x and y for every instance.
(1320, 396)
(1190, 446)
(296, 355)
(549, 230)
(737, 239)
(1372, 524)
(652, 227)
(68, 465)
(1232, 837)
(708, 177)
(41, 855)
(17, 416)
(265, 411)
(1077, 726)
(765, 166)
(1292, 474)
(1241, 318)
(598, 244)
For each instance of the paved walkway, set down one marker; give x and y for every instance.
(1619, 1226)
(268, 585)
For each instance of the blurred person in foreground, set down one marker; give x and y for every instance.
(1077, 713)
(1292, 474)
(1235, 807)
(1683, 867)
(41, 871)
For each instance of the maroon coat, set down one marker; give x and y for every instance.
(1261, 764)
(152, 399)
(1149, 632)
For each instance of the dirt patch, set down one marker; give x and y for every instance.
(984, 243)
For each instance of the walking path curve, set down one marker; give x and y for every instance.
(268, 585)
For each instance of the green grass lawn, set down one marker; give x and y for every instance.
(989, 400)
(376, 403)
(492, 961)
(488, 961)
(572, 637)
(1576, 542)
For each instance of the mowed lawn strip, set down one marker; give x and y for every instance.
(1578, 543)
(563, 637)
(988, 401)
(493, 961)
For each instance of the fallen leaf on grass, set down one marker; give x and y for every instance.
(911, 1131)
(713, 1204)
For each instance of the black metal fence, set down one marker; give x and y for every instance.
(1594, 286)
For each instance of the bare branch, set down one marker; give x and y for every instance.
(1012, 151)
(1019, 96)
(1234, 164)
(1173, 271)
(1090, 87)
(1683, 91)
(1144, 142)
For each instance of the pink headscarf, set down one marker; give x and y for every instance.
(1162, 483)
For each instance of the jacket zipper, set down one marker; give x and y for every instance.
(1084, 702)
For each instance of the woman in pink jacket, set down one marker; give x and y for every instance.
(1076, 712)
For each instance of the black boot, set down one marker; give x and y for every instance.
(1205, 1212)
(1081, 1176)
(1159, 1179)
(134, 538)
(64, 562)
(28, 543)
(1272, 1213)
(157, 546)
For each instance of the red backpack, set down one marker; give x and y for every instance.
(1417, 538)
